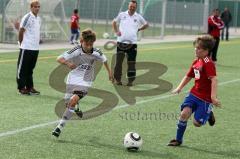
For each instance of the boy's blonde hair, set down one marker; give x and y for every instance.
(88, 35)
(33, 1)
(206, 42)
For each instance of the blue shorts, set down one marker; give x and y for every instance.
(200, 108)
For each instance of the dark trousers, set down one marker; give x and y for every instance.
(74, 34)
(130, 50)
(26, 62)
(213, 52)
(226, 28)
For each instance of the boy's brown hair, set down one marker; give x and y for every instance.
(88, 35)
(206, 42)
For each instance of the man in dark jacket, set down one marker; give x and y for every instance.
(226, 18)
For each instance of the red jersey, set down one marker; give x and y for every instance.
(74, 21)
(202, 70)
(215, 24)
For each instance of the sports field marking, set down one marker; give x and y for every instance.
(13, 132)
(110, 52)
(106, 52)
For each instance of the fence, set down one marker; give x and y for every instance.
(166, 17)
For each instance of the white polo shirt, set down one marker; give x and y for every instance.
(31, 37)
(128, 26)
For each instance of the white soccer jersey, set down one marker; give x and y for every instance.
(128, 26)
(83, 75)
(31, 37)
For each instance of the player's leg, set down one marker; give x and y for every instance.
(222, 33)
(72, 36)
(118, 66)
(68, 113)
(187, 108)
(131, 59)
(70, 110)
(227, 31)
(202, 113)
(181, 126)
(214, 50)
(22, 69)
(77, 35)
(31, 66)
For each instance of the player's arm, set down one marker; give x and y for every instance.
(109, 71)
(63, 61)
(183, 83)
(114, 24)
(145, 26)
(214, 82)
(115, 28)
(20, 35)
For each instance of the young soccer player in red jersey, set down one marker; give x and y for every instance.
(204, 92)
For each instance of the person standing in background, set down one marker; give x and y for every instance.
(130, 23)
(74, 25)
(215, 24)
(28, 39)
(226, 18)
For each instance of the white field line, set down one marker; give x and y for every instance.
(13, 132)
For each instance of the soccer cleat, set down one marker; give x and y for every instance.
(211, 119)
(76, 42)
(119, 83)
(56, 132)
(130, 84)
(33, 91)
(174, 142)
(24, 91)
(79, 113)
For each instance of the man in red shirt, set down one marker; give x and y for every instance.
(215, 24)
(204, 92)
(75, 29)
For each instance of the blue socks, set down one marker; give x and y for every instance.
(181, 127)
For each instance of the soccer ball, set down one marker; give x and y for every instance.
(106, 35)
(132, 141)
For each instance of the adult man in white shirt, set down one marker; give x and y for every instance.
(130, 23)
(29, 37)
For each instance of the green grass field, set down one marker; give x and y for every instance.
(23, 137)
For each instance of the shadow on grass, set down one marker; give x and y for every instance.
(96, 142)
(223, 154)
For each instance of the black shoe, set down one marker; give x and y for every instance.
(119, 83)
(211, 119)
(174, 142)
(79, 113)
(56, 132)
(33, 91)
(24, 91)
(130, 84)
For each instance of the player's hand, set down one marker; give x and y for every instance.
(119, 33)
(176, 91)
(110, 76)
(71, 65)
(216, 102)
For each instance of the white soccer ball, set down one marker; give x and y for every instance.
(132, 141)
(106, 35)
